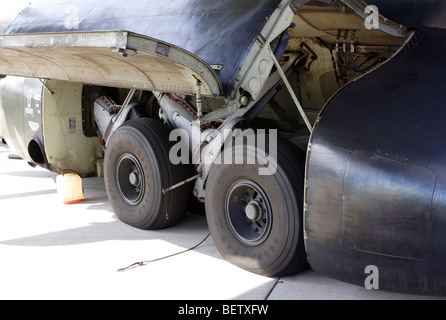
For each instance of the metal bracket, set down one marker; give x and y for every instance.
(290, 90)
(46, 87)
(165, 191)
(120, 118)
(199, 100)
(221, 113)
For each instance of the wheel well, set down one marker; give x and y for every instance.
(37, 153)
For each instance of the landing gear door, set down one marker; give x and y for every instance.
(107, 58)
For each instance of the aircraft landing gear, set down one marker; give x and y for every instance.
(137, 168)
(256, 220)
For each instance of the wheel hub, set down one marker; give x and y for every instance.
(134, 178)
(254, 211)
(248, 212)
(131, 181)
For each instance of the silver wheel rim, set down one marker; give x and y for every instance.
(248, 212)
(131, 180)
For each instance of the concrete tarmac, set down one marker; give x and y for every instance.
(53, 251)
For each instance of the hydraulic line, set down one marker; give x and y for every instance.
(347, 61)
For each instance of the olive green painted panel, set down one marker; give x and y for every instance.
(20, 113)
(66, 146)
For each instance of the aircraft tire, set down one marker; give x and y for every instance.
(256, 220)
(137, 168)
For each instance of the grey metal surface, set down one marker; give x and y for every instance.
(104, 58)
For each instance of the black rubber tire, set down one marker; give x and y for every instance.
(145, 142)
(280, 251)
